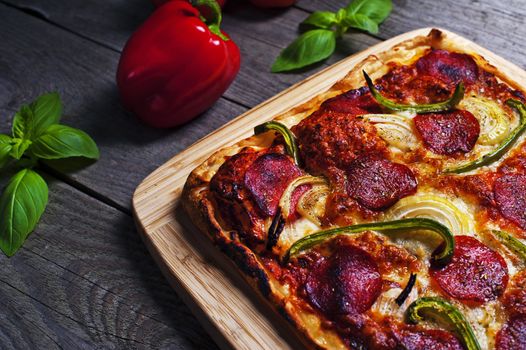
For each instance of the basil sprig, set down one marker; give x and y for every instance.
(319, 42)
(36, 134)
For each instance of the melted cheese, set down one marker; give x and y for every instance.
(485, 319)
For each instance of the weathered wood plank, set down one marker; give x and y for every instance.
(260, 34)
(36, 57)
(496, 25)
(130, 150)
(85, 280)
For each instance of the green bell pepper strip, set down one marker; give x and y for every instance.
(446, 105)
(442, 257)
(290, 140)
(512, 243)
(502, 148)
(443, 310)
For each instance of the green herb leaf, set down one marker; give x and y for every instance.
(47, 110)
(310, 47)
(60, 141)
(6, 144)
(321, 19)
(30, 121)
(376, 10)
(23, 123)
(21, 205)
(361, 22)
(19, 146)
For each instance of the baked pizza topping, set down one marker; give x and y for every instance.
(441, 256)
(288, 137)
(438, 308)
(446, 105)
(355, 102)
(515, 298)
(476, 273)
(330, 139)
(345, 283)
(377, 183)
(412, 339)
(502, 148)
(267, 178)
(342, 210)
(449, 67)
(513, 335)
(448, 133)
(248, 187)
(509, 191)
(513, 244)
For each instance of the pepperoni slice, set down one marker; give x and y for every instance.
(377, 183)
(435, 339)
(448, 66)
(509, 191)
(476, 273)
(513, 335)
(357, 102)
(268, 177)
(346, 283)
(448, 133)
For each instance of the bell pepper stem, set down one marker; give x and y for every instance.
(214, 22)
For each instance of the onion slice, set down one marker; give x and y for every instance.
(432, 207)
(494, 121)
(395, 129)
(312, 203)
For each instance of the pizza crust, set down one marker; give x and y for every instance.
(199, 204)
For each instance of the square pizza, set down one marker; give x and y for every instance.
(387, 212)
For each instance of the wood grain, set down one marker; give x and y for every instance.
(496, 25)
(31, 65)
(87, 82)
(260, 34)
(73, 46)
(179, 249)
(85, 280)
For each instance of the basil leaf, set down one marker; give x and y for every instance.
(30, 121)
(21, 206)
(60, 141)
(376, 10)
(361, 22)
(310, 47)
(6, 144)
(19, 146)
(23, 123)
(321, 19)
(47, 110)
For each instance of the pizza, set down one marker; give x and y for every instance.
(387, 212)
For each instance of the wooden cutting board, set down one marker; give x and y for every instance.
(203, 277)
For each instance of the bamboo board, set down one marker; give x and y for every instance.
(200, 273)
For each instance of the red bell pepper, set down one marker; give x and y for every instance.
(175, 66)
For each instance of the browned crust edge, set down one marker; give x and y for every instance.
(201, 210)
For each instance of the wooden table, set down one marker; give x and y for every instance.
(84, 278)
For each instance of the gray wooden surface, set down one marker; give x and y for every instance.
(84, 279)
